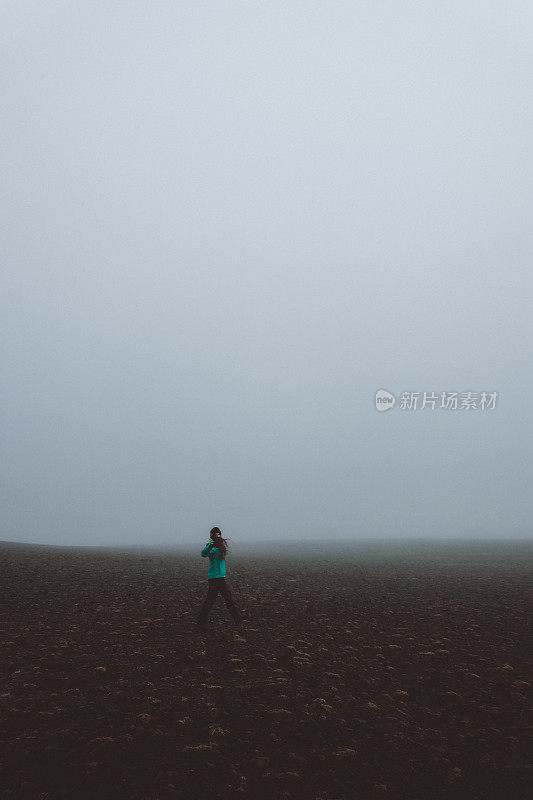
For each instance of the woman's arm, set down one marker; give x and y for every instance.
(207, 548)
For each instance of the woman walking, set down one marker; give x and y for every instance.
(216, 550)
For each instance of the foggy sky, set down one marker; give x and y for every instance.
(225, 226)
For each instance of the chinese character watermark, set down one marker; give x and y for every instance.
(450, 401)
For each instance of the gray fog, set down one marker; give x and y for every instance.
(226, 225)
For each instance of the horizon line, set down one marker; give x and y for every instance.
(251, 542)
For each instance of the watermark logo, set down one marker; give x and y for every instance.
(449, 401)
(384, 400)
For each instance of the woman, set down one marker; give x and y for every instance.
(216, 550)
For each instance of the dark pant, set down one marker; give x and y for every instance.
(217, 585)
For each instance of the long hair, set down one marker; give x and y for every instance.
(221, 543)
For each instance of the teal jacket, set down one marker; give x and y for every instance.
(217, 565)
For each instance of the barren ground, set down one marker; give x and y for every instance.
(358, 675)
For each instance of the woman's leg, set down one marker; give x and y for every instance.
(230, 605)
(208, 603)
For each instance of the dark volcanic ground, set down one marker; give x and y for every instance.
(371, 673)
